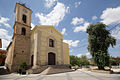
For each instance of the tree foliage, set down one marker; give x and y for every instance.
(74, 60)
(80, 61)
(99, 41)
(22, 65)
(84, 60)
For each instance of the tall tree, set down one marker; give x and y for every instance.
(99, 41)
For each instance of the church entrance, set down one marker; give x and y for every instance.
(51, 58)
(32, 60)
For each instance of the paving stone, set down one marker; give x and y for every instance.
(76, 75)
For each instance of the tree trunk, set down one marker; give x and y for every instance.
(101, 68)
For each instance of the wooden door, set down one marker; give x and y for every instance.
(51, 58)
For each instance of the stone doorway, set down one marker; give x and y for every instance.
(32, 60)
(51, 58)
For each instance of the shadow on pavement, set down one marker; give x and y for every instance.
(116, 72)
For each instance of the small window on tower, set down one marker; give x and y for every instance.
(51, 43)
(23, 31)
(24, 18)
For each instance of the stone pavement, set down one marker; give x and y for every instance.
(76, 75)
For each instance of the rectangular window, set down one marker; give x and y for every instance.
(51, 43)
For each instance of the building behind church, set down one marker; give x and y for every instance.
(38, 47)
(0, 43)
(2, 54)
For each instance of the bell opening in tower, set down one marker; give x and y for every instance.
(24, 18)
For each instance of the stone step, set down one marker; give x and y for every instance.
(3, 70)
(35, 71)
(50, 69)
(56, 69)
(59, 66)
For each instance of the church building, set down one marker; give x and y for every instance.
(38, 47)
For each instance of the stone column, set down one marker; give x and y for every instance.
(35, 63)
(62, 59)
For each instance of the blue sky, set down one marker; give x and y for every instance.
(70, 17)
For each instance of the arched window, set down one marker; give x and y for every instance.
(51, 43)
(23, 31)
(24, 18)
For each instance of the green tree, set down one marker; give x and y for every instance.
(84, 60)
(74, 60)
(99, 41)
(80, 61)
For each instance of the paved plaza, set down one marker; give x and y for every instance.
(76, 75)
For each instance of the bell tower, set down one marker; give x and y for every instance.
(22, 19)
(21, 36)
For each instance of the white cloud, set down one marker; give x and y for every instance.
(49, 3)
(77, 4)
(111, 15)
(82, 28)
(4, 34)
(76, 21)
(117, 46)
(32, 26)
(72, 43)
(55, 16)
(6, 38)
(5, 43)
(94, 17)
(116, 33)
(79, 24)
(64, 31)
(4, 21)
(87, 54)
